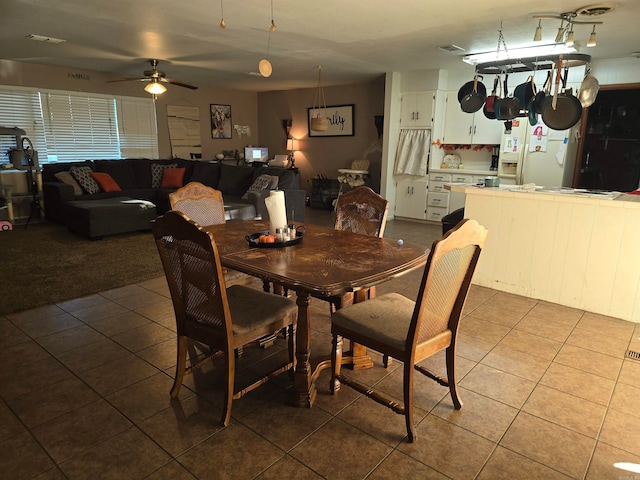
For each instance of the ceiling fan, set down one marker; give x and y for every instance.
(155, 79)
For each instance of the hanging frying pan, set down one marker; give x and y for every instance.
(567, 109)
(473, 101)
(475, 84)
(509, 106)
(525, 91)
(488, 109)
(538, 100)
(588, 90)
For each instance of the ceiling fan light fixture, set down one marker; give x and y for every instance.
(155, 88)
(538, 35)
(592, 38)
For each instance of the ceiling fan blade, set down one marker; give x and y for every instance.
(178, 84)
(132, 79)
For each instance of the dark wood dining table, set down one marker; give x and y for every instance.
(325, 263)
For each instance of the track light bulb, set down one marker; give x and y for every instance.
(560, 34)
(592, 38)
(570, 42)
(538, 35)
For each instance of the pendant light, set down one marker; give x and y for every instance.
(222, 22)
(319, 121)
(264, 66)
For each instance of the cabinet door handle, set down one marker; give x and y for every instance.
(417, 115)
(408, 190)
(474, 129)
(411, 190)
(470, 129)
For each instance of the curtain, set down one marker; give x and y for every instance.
(412, 155)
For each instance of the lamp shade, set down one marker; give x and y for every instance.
(292, 144)
(155, 88)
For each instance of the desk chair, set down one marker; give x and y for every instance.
(412, 331)
(208, 313)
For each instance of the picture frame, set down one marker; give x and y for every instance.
(221, 124)
(340, 121)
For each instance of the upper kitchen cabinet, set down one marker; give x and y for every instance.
(416, 110)
(468, 128)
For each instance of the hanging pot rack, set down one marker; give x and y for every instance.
(530, 64)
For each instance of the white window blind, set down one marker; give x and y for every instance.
(137, 127)
(20, 107)
(79, 127)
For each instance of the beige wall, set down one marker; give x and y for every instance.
(243, 104)
(324, 155)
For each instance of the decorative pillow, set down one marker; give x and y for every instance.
(84, 178)
(172, 177)
(106, 182)
(157, 170)
(235, 180)
(65, 177)
(263, 182)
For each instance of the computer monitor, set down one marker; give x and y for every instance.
(256, 154)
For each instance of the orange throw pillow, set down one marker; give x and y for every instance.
(106, 182)
(172, 177)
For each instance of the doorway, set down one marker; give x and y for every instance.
(609, 149)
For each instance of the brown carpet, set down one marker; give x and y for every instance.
(45, 264)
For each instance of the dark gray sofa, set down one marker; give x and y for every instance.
(133, 176)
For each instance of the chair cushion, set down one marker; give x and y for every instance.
(385, 318)
(253, 309)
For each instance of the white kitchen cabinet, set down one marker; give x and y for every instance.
(468, 128)
(411, 197)
(417, 109)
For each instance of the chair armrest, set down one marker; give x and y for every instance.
(294, 200)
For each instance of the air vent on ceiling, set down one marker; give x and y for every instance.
(595, 10)
(451, 48)
(42, 38)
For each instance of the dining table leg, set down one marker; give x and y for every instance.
(304, 388)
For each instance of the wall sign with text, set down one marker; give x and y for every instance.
(340, 121)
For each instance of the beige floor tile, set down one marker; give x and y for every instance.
(472, 348)
(426, 393)
(15, 357)
(557, 313)
(82, 302)
(481, 294)
(11, 335)
(518, 363)
(552, 445)
(136, 456)
(566, 410)
(498, 315)
(626, 398)
(479, 414)
(630, 373)
(616, 347)
(10, 425)
(70, 339)
(288, 467)
(449, 449)
(99, 311)
(358, 454)
(157, 310)
(46, 326)
(158, 285)
(27, 316)
(113, 376)
(172, 470)
(125, 291)
(498, 385)
(601, 324)
(77, 431)
(161, 355)
(510, 301)
(507, 465)
(51, 474)
(621, 430)
(33, 376)
(544, 327)
(138, 300)
(235, 449)
(589, 361)
(533, 344)
(579, 383)
(483, 329)
(93, 355)
(605, 459)
(119, 323)
(22, 457)
(145, 336)
(400, 466)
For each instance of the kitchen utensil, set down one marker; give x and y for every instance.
(475, 84)
(564, 110)
(474, 100)
(488, 109)
(509, 106)
(588, 90)
(525, 91)
(491, 182)
(541, 94)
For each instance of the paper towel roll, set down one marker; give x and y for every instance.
(277, 210)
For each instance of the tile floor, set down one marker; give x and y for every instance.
(547, 391)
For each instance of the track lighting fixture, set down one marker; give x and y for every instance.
(592, 38)
(570, 41)
(538, 35)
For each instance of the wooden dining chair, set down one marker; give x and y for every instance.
(412, 331)
(208, 313)
(205, 206)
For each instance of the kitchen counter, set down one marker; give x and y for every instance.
(573, 248)
(464, 171)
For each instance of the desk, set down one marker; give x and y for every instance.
(325, 263)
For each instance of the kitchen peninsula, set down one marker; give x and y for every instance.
(571, 247)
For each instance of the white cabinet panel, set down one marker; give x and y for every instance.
(469, 128)
(411, 198)
(435, 214)
(440, 177)
(438, 200)
(417, 109)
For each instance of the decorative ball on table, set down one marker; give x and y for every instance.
(400, 242)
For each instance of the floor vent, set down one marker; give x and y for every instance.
(633, 355)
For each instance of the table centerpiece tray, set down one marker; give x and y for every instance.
(253, 240)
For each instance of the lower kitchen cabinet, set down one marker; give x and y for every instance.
(411, 197)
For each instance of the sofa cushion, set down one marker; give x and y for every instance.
(263, 182)
(172, 177)
(142, 172)
(50, 169)
(106, 182)
(235, 180)
(66, 177)
(84, 178)
(120, 170)
(157, 170)
(287, 178)
(207, 173)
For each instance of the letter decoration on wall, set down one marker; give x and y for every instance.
(340, 121)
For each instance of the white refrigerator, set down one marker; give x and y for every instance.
(537, 154)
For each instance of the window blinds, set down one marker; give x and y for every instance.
(20, 107)
(137, 127)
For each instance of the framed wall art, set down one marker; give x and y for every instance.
(221, 125)
(340, 121)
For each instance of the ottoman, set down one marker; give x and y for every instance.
(97, 218)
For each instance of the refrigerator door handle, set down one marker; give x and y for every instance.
(521, 160)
